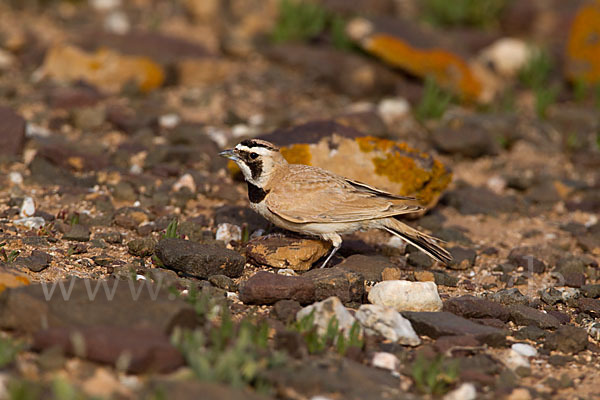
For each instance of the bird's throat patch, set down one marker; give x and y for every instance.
(256, 194)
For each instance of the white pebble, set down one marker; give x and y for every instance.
(406, 295)
(117, 22)
(524, 349)
(229, 233)
(169, 121)
(507, 56)
(33, 130)
(393, 109)
(385, 360)
(139, 277)
(7, 60)
(27, 208)
(324, 311)
(466, 391)
(30, 222)
(15, 177)
(388, 323)
(286, 272)
(256, 120)
(105, 5)
(187, 181)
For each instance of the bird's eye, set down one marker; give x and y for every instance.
(253, 156)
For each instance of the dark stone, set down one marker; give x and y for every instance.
(78, 233)
(453, 235)
(143, 247)
(335, 377)
(562, 317)
(348, 286)
(103, 260)
(268, 288)
(148, 350)
(447, 343)
(192, 389)
(200, 260)
(523, 315)
(237, 214)
(76, 96)
(223, 282)
(437, 324)
(37, 261)
(62, 154)
(493, 322)
(551, 296)
(292, 343)
(444, 279)
(592, 290)
(310, 132)
(570, 271)
(480, 200)
(543, 192)
(473, 307)
(521, 257)
(530, 332)
(12, 132)
(510, 296)
(286, 310)
(370, 267)
(588, 306)
(111, 237)
(558, 360)
(567, 339)
(125, 304)
(462, 258)
(418, 259)
(473, 135)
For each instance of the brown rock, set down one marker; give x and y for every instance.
(370, 267)
(268, 288)
(348, 286)
(149, 350)
(12, 132)
(589, 306)
(523, 315)
(391, 274)
(277, 251)
(474, 307)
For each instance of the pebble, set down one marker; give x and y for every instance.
(406, 295)
(324, 311)
(117, 22)
(268, 288)
(169, 121)
(104, 5)
(524, 349)
(27, 208)
(388, 323)
(15, 177)
(30, 222)
(228, 233)
(507, 56)
(393, 110)
(385, 360)
(466, 391)
(516, 362)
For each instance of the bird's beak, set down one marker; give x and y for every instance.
(230, 154)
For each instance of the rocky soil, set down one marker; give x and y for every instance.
(132, 267)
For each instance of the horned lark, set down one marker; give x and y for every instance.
(317, 202)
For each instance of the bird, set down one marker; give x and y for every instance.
(316, 202)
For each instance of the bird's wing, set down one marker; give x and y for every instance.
(308, 194)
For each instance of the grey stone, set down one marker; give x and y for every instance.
(567, 339)
(475, 307)
(370, 267)
(12, 132)
(346, 285)
(223, 282)
(199, 260)
(523, 315)
(78, 233)
(143, 247)
(510, 296)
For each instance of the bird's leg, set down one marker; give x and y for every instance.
(337, 243)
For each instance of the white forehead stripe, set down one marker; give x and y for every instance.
(263, 151)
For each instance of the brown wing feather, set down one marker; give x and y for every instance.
(321, 196)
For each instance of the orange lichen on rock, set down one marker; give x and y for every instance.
(583, 48)
(106, 69)
(297, 154)
(447, 69)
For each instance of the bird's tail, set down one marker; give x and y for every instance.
(428, 244)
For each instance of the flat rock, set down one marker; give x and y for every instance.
(474, 307)
(12, 132)
(324, 311)
(388, 323)
(142, 247)
(406, 295)
(437, 324)
(278, 251)
(83, 303)
(567, 339)
(37, 261)
(520, 256)
(199, 260)
(480, 200)
(370, 267)
(591, 290)
(268, 288)
(286, 310)
(523, 315)
(462, 258)
(510, 296)
(348, 286)
(588, 306)
(78, 233)
(468, 136)
(149, 350)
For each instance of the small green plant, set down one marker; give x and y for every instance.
(434, 376)
(234, 354)
(535, 75)
(333, 336)
(299, 20)
(545, 96)
(598, 140)
(8, 351)
(245, 233)
(339, 38)
(572, 141)
(171, 231)
(10, 256)
(74, 219)
(477, 13)
(434, 102)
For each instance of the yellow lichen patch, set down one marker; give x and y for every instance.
(106, 69)
(448, 70)
(440, 178)
(9, 280)
(583, 48)
(402, 169)
(297, 154)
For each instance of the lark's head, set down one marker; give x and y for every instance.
(257, 159)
